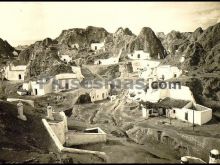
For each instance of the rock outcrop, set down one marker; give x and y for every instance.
(148, 41)
(6, 50)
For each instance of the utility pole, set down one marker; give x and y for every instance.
(193, 119)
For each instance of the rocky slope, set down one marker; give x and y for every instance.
(6, 50)
(148, 41)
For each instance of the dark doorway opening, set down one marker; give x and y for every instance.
(186, 116)
(66, 86)
(35, 91)
(19, 77)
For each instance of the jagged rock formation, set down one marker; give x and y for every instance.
(6, 50)
(148, 41)
(83, 37)
(194, 55)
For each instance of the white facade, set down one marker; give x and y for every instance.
(76, 46)
(97, 46)
(139, 55)
(154, 95)
(201, 115)
(66, 58)
(60, 82)
(66, 81)
(138, 65)
(99, 94)
(182, 59)
(166, 72)
(109, 61)
(15, 72)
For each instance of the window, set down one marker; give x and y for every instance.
(174, 111)
(138, 55)
(95, 47)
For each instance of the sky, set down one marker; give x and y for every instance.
(26, 22)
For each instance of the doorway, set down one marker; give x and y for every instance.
(19, 76)
(67, 86)
(186, 116)
(35, 91)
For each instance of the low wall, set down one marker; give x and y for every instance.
(60, 147)
(59, 129)
(30, 102)
(77, 138)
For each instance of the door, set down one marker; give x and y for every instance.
(103, 95)
(139, 56)
(186, 116)
(67, 86)
(19, 77)
(35, 91)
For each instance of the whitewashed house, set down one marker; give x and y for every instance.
(139, 55)
(138, 65)
(99, 94)
(66, 58)
(166, 72)
(182, 59)
(192, 113)
(147, 69)
(184, 93)
(75, 46)
(58, 83)
(15, 72)
(97, 46)
(65, 81)
(154, 95)
(109, 61)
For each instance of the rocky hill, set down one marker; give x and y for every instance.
(148, 41)
(6, 50)
(82, 37)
